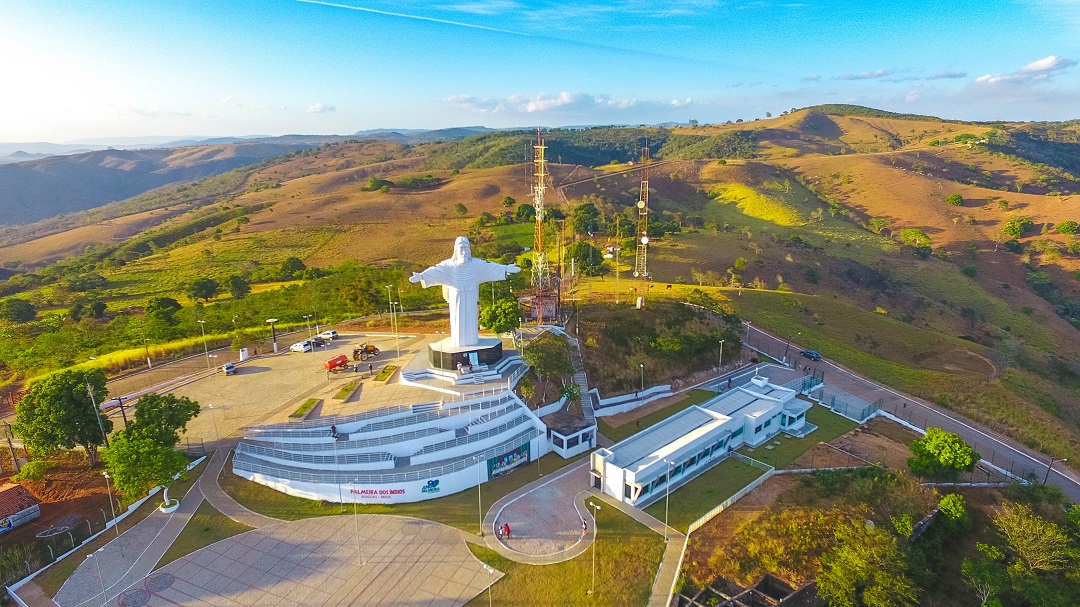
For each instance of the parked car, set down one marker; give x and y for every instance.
(228, 368)
(318, 341)
(301, 346)
(811, 354)
(329, 335)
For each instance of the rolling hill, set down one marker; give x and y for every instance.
(831, 222)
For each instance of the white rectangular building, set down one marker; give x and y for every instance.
(678, 449)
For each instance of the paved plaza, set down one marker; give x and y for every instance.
(329, 561)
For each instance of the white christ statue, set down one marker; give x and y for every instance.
(460, 277)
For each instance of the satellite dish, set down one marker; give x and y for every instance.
(641, 204)
(635, 274)
(644, 240)
(608, 256)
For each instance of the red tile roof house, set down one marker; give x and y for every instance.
(17, 506)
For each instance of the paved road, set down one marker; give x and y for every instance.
(1003, 451)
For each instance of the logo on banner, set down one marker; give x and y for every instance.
(432, 486)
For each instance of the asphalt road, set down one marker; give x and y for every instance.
(1000, 450)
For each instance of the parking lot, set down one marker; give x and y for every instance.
(268, 387)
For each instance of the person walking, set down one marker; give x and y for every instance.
(506, 530)
(584, 527)
(370, 369)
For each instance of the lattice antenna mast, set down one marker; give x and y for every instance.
(540, 265)
(641, 269)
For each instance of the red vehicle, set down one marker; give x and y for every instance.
(337, 363)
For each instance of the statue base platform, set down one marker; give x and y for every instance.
(441, 355)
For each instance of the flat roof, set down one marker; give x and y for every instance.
(665, 438)
(750, 400)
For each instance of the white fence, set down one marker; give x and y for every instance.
(628, 402)
(708, 516)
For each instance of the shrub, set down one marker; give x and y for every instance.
(954, 512)
(1068, 227)
(1016, 226)
(971, 271)
(941, 454)
(34, 470)
(955, 200)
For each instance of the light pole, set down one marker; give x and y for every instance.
(273, 332)
(721, 354)
(479, 507)
(788, 346)
(596, 536)
(112, 506)
(316, 313)
(642, 365)
(234, 324)
(97, 413)
(217, 432)
(202, 327)
(307, 323)
(491, 571)
(146, 347)
(101, 580)
(393, 319)
(667, 493)
(1052, 462)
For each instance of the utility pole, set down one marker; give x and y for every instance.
(97, 413)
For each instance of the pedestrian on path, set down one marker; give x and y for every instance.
(506, 530)
(370, 369)
(584, 528)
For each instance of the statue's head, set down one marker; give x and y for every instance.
(462, 250)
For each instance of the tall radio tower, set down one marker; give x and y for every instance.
(641, 270)
(540, 265)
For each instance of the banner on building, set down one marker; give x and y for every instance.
(502, 464)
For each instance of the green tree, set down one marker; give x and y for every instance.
(238, 287)
(941, 454)
(1016, 225)
(585, 217)
(954, 512)
(202, 288)
(985, 576)
(76, 312)
(549, 356)
(97, 309)
(525, 212)
(914, 237)
(866, 569)
(587, 258)
(162, 417)
(138, 463)
(877, 224)
(34, 470)
(58, 413)
(17, 310)
(1037, 544)
(292, 267)
(461, 209)
(508, 201)
(1068, 227)
(955, 200)
(502, 317)
(740, 264)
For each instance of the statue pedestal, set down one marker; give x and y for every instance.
(442, 355)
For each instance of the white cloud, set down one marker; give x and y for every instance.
(913, 95)
(532, 103)
(866, 75)
(144, 112)
(947, 75)
(681, 102)
(811, 78)
(1036, 71)
(226, 100)
(320, 108)
(490, 7)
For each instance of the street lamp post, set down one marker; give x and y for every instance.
(667, 493)
(1052, 462)
(356, 525)
(101, 580)
(316, 313)
(112, 507)
(642, 365)
(721, 354)
(394, 320)
(273, 334)
(202, 327)
(217, 431)
(307, 323)
(146, 347)
(596, 536)
(97, 413)
(787, 346)
(479, 506)
(491, 571)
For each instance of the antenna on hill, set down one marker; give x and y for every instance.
(641, 269)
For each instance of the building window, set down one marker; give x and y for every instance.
(558, 442)
(661, 480)
(768, 423)
(677, 471)
(736, 434)
(627, 490)
(757, 429)
(586, 437)
(573, 442)
(645, 490)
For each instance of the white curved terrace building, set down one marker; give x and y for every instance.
(394, 454)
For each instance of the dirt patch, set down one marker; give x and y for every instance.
(69, 489)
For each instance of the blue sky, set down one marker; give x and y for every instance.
(125, 68)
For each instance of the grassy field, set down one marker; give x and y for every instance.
(457, 510)
(54, 577)
(694, 397)
(628, 555)
(829, 426)
(205, 527)
(689, 502)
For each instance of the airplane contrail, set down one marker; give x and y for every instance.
(417, 17)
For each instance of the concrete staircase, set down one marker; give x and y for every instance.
(582, 381)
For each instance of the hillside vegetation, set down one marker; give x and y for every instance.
(939, 257)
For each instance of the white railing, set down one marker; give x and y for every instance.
(708, 516)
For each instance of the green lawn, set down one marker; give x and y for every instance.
(52, 579)
(457, 510)
(694, 397)
(830, 426)
(704, 493)
(628, 555)
(205, 527)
